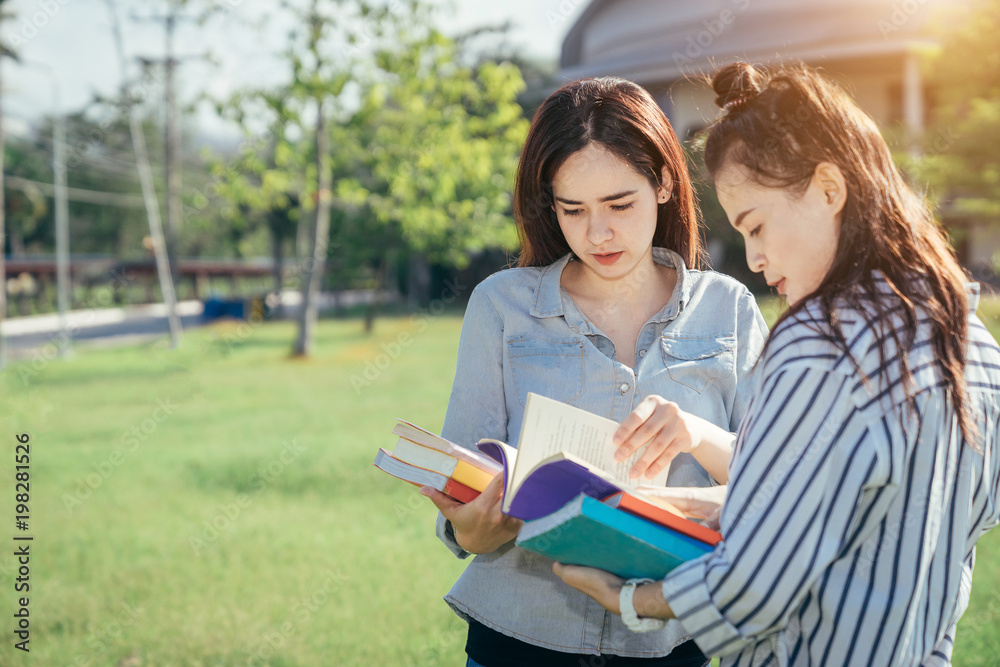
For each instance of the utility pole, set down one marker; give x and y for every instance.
(148, 188)
(172, 135)
(63, 284)
(4, 51)
(172, 147)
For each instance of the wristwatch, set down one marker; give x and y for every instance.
(629, 617)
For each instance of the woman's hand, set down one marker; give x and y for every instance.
(603, 586)
(696, 502)
(606, 590)
(480, 527)
(667, 431)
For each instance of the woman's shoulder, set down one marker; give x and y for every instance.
(714, 284)
(511, 288)
(509, 281)
(806, 338)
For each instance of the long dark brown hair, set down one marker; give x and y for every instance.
(780, 125)
(622, 118)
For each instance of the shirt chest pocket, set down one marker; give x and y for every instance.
(550, 367)
(696, 361)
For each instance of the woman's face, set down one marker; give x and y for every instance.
(607, 211)
(791, 238)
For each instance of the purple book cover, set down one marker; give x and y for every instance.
(549, 487)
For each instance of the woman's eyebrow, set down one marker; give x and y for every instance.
(613, 197)
(739, 218)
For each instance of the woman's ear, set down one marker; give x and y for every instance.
(666, 189)
(832, 184)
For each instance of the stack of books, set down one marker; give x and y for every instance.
(625, 534)
(577, 503)
(425, 459)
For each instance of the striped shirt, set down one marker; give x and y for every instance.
(851, 518)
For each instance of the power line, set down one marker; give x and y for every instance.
(77, 194)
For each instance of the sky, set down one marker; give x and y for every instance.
(66, 46)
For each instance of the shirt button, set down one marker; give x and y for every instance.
(624, 387)
(642, 353)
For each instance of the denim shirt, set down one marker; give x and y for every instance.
(522, 332)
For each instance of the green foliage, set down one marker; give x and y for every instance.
(432, 152)
(422, 147)
(961, 162)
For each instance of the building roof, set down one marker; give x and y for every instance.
(661, 40)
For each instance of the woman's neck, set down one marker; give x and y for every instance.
(645, 289)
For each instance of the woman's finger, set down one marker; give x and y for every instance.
(445, 503)
(626, 430)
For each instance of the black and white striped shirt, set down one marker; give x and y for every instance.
(851, 522)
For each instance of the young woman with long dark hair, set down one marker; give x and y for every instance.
(608, 310)
(867, 464)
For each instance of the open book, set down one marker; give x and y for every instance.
(562, 451)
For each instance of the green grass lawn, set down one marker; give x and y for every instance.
(216, 505)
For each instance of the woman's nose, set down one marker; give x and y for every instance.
(755, 259)
(599, 230)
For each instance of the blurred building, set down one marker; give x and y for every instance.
(872, 47)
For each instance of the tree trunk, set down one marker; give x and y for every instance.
(418, 289)
(276, 271)
(315, 267)
(373, 306)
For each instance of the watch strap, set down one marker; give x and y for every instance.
(632, 620)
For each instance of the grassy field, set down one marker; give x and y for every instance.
(216, 505)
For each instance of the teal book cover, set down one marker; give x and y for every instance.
(585, 531)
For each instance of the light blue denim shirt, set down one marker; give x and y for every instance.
(522, 332)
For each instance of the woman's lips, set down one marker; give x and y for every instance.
(607, 259)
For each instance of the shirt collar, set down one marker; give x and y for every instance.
(549, 294)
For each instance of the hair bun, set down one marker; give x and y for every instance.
(736, 85)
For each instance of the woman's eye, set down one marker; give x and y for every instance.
(755, 231)
(571, 211)
(622, 207)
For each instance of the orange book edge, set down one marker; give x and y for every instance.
(661, 515)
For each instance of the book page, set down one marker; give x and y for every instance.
(551, 427)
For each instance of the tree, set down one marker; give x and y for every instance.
(960, 160)
(435, 145)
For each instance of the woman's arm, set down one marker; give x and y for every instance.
(477, 409)
(670, 431)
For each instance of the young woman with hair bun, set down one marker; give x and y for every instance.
(867, 464)
(610, 311)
